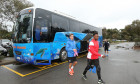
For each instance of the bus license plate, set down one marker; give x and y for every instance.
(18, 58)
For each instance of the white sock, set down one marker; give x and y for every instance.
(72, 67)
(69, 69)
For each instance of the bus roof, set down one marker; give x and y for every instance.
(61, 15)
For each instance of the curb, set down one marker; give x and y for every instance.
(6, 63)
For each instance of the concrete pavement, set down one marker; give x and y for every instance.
(7, 60)
(122, 66)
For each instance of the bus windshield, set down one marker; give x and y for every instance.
(23, 28)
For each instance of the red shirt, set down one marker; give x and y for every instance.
(93, 50)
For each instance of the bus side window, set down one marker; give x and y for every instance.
(74, 26)
(37, 32)
(59, 24)
(41, 31)
(43, 18)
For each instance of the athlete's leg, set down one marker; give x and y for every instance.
(89, 63)
(70, 71)
(105, 50)
(74, 63)
(98, 69)
(70, 62)
(87, 67)
(70, 65)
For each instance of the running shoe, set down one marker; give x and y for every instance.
(71, 73)
(100, 81)
(84, 77)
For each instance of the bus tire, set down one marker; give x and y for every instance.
(63, 55)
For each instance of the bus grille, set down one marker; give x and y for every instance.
(18, 53)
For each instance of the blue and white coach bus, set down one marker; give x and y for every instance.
(41, 36)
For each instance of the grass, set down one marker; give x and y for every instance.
(117, 42)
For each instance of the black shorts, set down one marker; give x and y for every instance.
(92, 63)
(106, 48)
(72, 59)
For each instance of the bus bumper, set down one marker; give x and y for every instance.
(32, 60)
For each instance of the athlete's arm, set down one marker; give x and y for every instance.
(108, 44)
(75, 49)
(103, 44)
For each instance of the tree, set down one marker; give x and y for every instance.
(5, 34)
(9, 10)
(111, 33)
(132, 31)
(104, 30)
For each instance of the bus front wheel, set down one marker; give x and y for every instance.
(63, 55)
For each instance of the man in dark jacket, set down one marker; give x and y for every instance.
(106, 46)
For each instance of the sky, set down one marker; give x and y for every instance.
(99, 13)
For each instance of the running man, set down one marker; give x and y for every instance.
(71, 50)
(106, 46)
(93, 58)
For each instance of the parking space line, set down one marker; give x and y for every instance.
(44, 68)
(13, 71)
(41, 68)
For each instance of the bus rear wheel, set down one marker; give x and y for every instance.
(63, 55)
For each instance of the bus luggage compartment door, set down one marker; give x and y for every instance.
(42, 53)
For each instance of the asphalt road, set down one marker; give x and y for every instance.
(122, 66)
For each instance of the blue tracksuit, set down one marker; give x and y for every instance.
(69, 47)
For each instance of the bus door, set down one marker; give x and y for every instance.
(42, 45)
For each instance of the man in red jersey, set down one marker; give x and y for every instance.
(93, 57)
